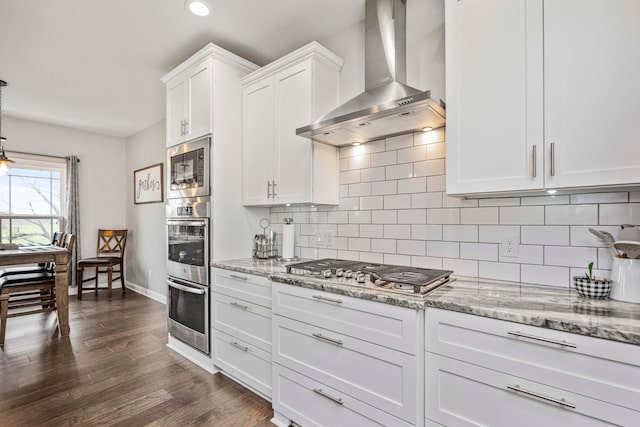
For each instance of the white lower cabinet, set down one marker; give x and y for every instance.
(241, 328)
(334, 349)
(482, 371)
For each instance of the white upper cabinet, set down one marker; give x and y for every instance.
(542, 94)
(280, 167)
(189, 104)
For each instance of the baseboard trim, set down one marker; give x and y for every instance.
(156, 296)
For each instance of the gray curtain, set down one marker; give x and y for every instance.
(72, 215)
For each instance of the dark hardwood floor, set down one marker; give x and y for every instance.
(113, 369)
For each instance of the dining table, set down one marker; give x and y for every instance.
(44, 254)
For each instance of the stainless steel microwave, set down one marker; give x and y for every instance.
(188, 169)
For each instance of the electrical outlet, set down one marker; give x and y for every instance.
(324, 238)
(510, 246)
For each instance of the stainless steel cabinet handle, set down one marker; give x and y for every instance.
(560, 402)
(535, 161)
(338, 400)
(274, 190)
(181, 127)
(543, 339)
(235, 304)
(327, 339)
(268, 189)
(321, 298)
(236, 345)
(553, 159)
(235, 276)
(186, 126)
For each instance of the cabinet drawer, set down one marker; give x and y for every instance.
(247, 321)
(383, 324)
(598, 368)
(310, 403)
(381, 377)
(243, 361)
(247, 287)
(462, 394)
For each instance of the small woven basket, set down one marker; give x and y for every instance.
(596, 288)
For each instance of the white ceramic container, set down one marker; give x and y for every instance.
(625, 274)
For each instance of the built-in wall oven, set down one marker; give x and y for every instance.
(188, 169)
(188, 270)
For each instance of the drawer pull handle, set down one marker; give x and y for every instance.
(560, 402)
(235, 276)
(321, 298)
(235, 304)
(236, 345)
(338, 400)
(327, 339)
(534, 337)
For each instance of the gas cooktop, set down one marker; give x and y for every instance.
(393, 278)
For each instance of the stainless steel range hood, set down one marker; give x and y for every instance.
(387, 106)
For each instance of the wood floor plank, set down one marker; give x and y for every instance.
(114, 369)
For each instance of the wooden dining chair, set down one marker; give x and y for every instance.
(56, 240)
(29, 293)
(109, 254)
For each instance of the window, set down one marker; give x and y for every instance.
(31, 197)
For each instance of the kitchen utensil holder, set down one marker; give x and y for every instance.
(625, 274)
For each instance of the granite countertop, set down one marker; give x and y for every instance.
(545, 306)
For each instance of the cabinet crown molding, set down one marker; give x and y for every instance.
(313, 49)
(215, 52)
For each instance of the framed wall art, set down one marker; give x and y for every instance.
(148, 185)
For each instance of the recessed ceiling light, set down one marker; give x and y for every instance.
(552, 191)
(198, 7)
(427, 128)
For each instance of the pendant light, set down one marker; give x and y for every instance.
(4, 162)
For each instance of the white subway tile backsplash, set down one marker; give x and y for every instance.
(397, 231)
(383, 245)
(307, 229)
(349, 177)
(569, 256)
(412, 216)
(443, 249)
(411, 247)
(621, 197)
(349, 203)
(372, 202)
(461, 267)
(337, 217)
(580, 235)
(443, 216)
(399, 142)
(605, 259)
(300, 217)
(371, 257)
(344, 191)
(426, 262)
(340, 243)
(505, 201)
(326, 253)
(412, 185)
(429, 168)
(368, 148)
(360, 217)
(426, 200)
(499, 271)
(402, 171)
(359, 244)
(360, 162)
(545, 275)
(343, 165)
(372, 174)
(522, 215)
(544, 200)
(460, 233)
(318, 217)
(617, 214)
(397, 259)
(431, 137)
(384, 159)
(479, 251)
(572, 214)
(426, 232)
(634, 196)
(348, 230)
(362, 189)
(349, 255)
(436, 151)
(545, 235)
(497, 233)
(413, 154)
(527, 254)
(384, 217)
(399, 201)
(436, 183)
(371, 231)
(479, 215)
(384, 187)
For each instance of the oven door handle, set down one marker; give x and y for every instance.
(186, 288)
(193, 223)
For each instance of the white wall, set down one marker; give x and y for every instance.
(145, 264)
(101, 169)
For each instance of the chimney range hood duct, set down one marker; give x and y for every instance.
(387, 106)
